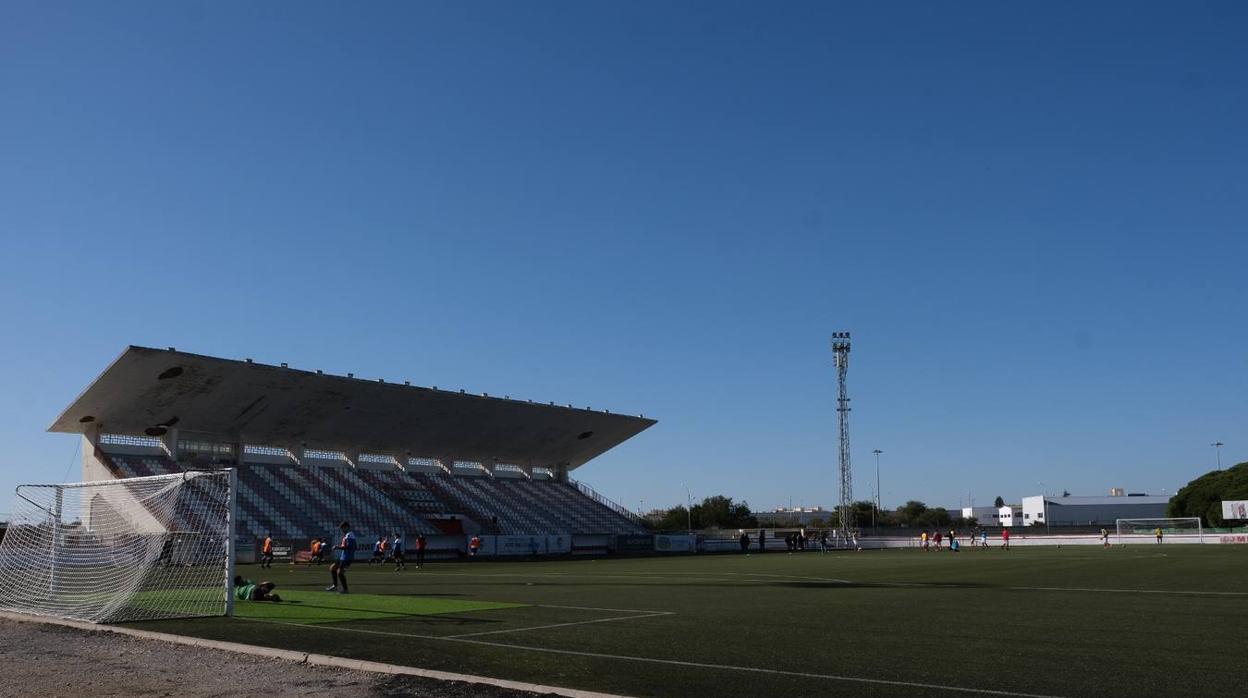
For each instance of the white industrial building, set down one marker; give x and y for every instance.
(1090, 511)
(1070, 511)
(1008, 515)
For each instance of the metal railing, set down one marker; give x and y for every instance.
(593, 494)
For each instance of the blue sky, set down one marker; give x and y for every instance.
(1031, 218)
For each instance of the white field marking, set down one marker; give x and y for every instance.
(791, 576)
(675, 662)
(560, 625)
(1136, 591)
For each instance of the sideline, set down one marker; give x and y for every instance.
(676, 662)
(309, 658)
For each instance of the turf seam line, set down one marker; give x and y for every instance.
(1136, 591)
(300, 657)
(596, 608)
(677, 662)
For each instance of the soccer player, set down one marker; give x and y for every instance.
(474, 545)
(247, 590)
(346, 555)
(396, 552)
(923, 539)
(1158, 532)
(378, 550)
(266, 551)
(936, 540)
(1005, 539)
(421, 542)
(983, 538)
(1105, 537)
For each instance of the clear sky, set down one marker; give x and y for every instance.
(1032, 218)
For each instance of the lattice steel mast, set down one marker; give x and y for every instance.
(845, 509)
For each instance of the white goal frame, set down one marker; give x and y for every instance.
(108, 551)
(1167, 528)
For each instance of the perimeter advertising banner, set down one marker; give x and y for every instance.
(1232, 511)
(283, 550)
(634, 543)
(673, 544)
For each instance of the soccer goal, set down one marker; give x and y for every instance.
(140, 548)
(1180, 530)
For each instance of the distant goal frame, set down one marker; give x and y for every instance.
(1153, 523)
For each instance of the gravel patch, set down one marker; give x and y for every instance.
(54, 660)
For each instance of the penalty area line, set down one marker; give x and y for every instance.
(655, 614)
(677, 662)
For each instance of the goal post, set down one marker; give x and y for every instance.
(1182, 530)
(111, 551)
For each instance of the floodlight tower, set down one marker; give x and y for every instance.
(845, 510)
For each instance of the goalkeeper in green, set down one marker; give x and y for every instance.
(247, 590)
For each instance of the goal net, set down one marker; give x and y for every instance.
(140, 548)
(1180, 530)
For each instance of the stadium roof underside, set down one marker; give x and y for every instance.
(149, 390)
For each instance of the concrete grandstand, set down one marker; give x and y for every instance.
(313, 449)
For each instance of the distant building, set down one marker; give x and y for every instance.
(1091, 511)
(984, 516)
(1010, 515)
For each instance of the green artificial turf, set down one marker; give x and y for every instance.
(1142, 620)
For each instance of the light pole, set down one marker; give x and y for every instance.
(1217, 449)
(688, 510)
(877, 453)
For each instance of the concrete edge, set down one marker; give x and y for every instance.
(307, 657)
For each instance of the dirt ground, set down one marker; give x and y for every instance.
(52, 660)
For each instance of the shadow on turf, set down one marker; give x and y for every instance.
(423, 618)
(884, 585)
(788, 584)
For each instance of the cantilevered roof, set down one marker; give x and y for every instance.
(147, 389)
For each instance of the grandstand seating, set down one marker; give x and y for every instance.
(141, 466)
(299, 502)
(526, 507)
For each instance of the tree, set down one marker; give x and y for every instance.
(721, 512)
(910, 512)
(674, 519)
(937, 517)
(998, 502)
(713, 512)
(1202, 496)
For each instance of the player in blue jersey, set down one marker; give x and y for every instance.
(396, 552)
(344, 555)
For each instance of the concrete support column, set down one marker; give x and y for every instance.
(170, 440)
(561, 472)
(527, 470)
